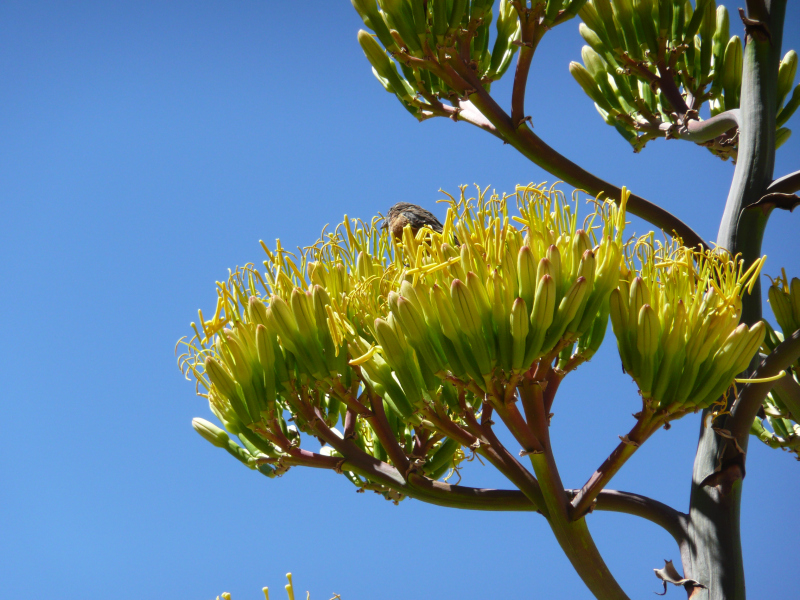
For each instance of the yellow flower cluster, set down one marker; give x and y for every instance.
(676, 318)
(416, 321)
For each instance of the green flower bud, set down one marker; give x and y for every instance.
(732, 72)
(786, 74)
(526, 269)
(210, 432)
(266, 357)
(226, 386)
(673, 354)
(442, 458)
(754, 341)
(368, 12)
(554, 257)
(280, 318)
(383, 66)
(606, 15)
(544, 308)
(643, 15)
(416, 329)
(589, 86)
(647, 343)
(400, 13)
(256, 311)
(787, 111)
(480, 295)
(597, 332)
(567, 310)
(519, 332)
(398, 360)
(501, 316)
(470, 321)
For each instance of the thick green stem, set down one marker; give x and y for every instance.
(714, 555)
(573, 536)
(705, 131)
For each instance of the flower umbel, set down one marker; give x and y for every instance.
(394, 344)
(676, 318)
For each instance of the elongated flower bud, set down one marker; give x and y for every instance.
(526, 268)
(619, 323)
(228, 388)
(647, 342)
(266, 356)
(441, 459)
(501, 316)
(256, 311)
(544, 309)
(794, 296)
(519, 332)
(210, 432)
(673, 347)
(566, 311)
(416, 329)
(470, 321)
(220, 378)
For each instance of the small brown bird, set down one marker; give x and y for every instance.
(405, 213)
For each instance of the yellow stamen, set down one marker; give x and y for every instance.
(762, 379)
(364, 357)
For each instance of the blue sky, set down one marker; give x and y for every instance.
(146, 147)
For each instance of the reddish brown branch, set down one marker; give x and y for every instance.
(644, 428)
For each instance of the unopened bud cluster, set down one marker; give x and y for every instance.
(778, 424)
(777, 427)
(427, 38)
(424, 31)
(676, 318)
(784, 298)
(630, 44)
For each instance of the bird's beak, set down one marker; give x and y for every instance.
(385, 224)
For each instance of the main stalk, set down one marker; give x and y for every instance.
(713, 555)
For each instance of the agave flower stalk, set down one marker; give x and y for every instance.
(395, 353)
(650, 67)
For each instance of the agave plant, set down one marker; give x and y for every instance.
(392, 361)
(654, 69)
(396, 355)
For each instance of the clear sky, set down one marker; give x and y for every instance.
(145, 148)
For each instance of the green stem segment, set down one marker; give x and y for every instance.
(705, 131)
(713, 555)
(573, 536)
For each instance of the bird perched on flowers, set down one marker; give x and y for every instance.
(405, 213)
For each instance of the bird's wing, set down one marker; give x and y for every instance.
(421, 218)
